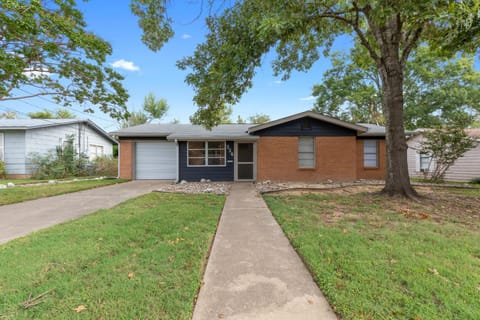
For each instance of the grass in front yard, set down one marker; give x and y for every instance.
(20, 194)
(140, 260)
(380, 258)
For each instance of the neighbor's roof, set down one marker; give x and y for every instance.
(187, 132)
(474, 133)
(29, 124)
(374, 130)
(311, 114)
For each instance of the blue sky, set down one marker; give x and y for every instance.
(146, 71)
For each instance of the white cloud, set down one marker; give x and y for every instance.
(186, 36)
(278, 81)
(309, 98)
(125, 65)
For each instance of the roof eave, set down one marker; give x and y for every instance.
(359, 129)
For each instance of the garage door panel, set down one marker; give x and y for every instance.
(156, 160)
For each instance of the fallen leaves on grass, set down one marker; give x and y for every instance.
(131, 275)
(80, 308)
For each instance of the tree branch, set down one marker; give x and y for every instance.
(29, 96)
(410, 45)
(361, 35)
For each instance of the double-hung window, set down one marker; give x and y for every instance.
(206, 153)
(306, 152)
(370, 153)
(425, 160)
(95, 151)
(2, 158)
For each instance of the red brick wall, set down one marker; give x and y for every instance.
(126, 159)
(372, 173)
(277, 159)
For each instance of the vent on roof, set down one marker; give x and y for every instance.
(306, 124)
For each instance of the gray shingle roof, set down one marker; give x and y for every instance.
(187, 131)
(234, 131)
(29, 124)
(374, 130)
(24, 124)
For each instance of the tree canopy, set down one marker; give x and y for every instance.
(46, 50)
(47, 114)
(437, 90)
(152, 109)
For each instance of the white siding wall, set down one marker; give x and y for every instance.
(14, 152)
(93, 138)
(464, 169)
(43, 140)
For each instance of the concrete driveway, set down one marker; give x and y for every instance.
(17, 220)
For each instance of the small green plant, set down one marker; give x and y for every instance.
(445, 146)
(3, 171)
(62, 162)
(475, 180)
(105, 166)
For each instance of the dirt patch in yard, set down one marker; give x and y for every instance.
(438, 204)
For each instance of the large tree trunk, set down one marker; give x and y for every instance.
(397, 179)
(391, 72)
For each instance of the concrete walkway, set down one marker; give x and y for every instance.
(20, 219)
(253, 272)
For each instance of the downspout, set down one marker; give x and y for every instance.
(118, 158)
(178, 161)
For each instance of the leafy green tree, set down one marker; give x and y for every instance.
(152, 108)
(8, 115)
(47, 114)
(256, 118)
(221, 117)
(350, 91)
(45, 50)
(436, 89)
(223, 66)
(445, 146)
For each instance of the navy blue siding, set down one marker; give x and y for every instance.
(213, 173)
(306, 127)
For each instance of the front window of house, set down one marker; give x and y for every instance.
(206, 153)
(95, 151)
(425, 160)
(370, 153)
(306, 152)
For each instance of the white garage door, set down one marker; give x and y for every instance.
(155, 160)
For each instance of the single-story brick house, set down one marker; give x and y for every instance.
(303, 147)
(20, 139)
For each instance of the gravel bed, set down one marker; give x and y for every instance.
(269, 186)
(197, 187)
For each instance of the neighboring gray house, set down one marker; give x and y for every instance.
(21, 138)
(464, 169)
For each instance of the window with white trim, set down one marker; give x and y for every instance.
(425, 160)
(206, 153)
(2, 158)
(370, 153)
(306, 152)
(95, 151)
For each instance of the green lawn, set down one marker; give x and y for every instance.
(381, 258)
(20, 194)
(143, 259)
